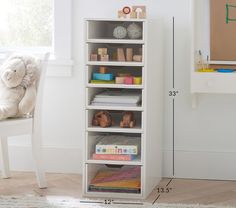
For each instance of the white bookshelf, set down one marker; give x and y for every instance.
(203, 82)
(148, 115)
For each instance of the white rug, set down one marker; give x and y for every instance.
(53, 202)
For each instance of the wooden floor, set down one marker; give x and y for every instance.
(180, 191)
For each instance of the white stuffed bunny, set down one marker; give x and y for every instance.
(18, 85)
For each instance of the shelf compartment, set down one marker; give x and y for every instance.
(92, 92)
(92, 170)
(133, 71)
(102, 29)
(117, 117)
(94, 137)
(92, 48)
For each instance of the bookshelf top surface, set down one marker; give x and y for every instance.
(116, 20)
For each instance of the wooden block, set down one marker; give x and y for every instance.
(124, 75)
(120, 54)
(102, 70)
(129, 54)
(142, 7)
(120, 80)
(137, 58)
(137, 80)
(104, 57)
(102, 51)
(129, 80)
(142, 15)
(121, 14)
(133, 15)
(93, 57)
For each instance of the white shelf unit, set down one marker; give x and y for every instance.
(148, 115)
(203, 82)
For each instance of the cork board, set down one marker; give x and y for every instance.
(223, 34)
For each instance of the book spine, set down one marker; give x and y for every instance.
(117, 149)
(113, 157)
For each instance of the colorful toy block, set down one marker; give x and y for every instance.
(102, 70)
(129, 80)
(120, 80)
(98, 76)
(137, 80)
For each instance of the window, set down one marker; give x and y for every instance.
(26, 23)
(38, 25)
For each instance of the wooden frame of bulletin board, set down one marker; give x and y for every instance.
(223, 30)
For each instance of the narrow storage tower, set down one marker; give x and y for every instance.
(124, 81)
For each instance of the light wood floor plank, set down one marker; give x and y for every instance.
(69, 185)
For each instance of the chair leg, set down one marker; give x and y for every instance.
(37, 156)
(4, 158)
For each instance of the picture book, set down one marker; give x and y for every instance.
(113, 157)
(126, 180)
(118, 144)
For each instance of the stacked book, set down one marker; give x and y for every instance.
(117, 98)
(124, 180)
(117, 147)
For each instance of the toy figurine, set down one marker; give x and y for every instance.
(102, 119)
(128, 120)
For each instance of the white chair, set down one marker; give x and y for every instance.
(23, 126)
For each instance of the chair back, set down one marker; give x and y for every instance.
(40, 88)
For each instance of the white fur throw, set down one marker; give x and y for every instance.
(18, 77)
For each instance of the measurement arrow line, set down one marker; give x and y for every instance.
(169, 182)
(173, 137)
(156, 199)
(173, 52)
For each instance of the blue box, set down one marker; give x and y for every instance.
(99, 76)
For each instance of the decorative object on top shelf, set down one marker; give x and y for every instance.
(102, 119)
(134, 13)
(120, 32)
(140, 11)
(134, 31)
(128, 120)
(126, 10)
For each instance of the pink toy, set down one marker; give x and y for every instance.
(129, 80)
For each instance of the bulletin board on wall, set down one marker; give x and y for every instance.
(223, 30)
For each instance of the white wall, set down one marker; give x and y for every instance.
(205, 137)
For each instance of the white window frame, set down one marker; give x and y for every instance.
(60, 63)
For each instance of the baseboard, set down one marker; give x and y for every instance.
(214, 165)
(56, 159)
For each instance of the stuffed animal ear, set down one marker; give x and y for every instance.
(32, 75)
